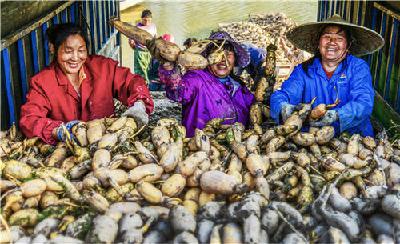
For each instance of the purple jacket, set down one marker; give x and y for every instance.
(204, 97)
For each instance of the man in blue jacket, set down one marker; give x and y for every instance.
(333, 73)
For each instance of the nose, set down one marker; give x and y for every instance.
(75, 55)
(333, 39)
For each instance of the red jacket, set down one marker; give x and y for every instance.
(52, 99)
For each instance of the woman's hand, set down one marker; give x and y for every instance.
(286, 110)
(329, 117)
(138, 112)
(64, 131)
(168, 65)
(132, 43)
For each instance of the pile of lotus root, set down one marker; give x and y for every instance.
(111, 181)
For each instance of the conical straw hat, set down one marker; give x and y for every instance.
(365, 41)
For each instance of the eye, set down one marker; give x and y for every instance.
(325, 37)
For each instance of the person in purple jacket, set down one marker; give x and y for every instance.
(214, 92)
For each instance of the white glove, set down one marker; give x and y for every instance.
(138, 112)
(329, 117)
(286, 111)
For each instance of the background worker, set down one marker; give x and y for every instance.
(142, 60)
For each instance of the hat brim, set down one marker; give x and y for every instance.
(241, 54)
(366, 41)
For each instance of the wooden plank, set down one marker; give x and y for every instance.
(90, 13)
(372, 58)
(97, 14)
(342, 12)
(22, 68)
(337, 10)
(326, 12)
(373, 25)
(319, 10)
(397, 104)
(103, 20)
(7, 41)
(9, 92)
(73, 12)
(359, 13)
(64, 16)
(35, 56)
(379, 62)
(107, 18)
(389, 66)
(355, 14)
(55, 20)
(364, 11)
(116, 12)
(346, 10)
(45, 45)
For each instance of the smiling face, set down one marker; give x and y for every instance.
(146, 21)
(72, 54)
(224, 68)
(333, 44)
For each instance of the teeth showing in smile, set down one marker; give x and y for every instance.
(221, 66)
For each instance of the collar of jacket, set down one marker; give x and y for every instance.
(86, 85)
(317, 66)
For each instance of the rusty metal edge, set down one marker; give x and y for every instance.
(13, 37)
(386, 11)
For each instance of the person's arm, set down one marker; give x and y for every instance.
(170, 75)
(34, 112)
(361, 99)
(290, 92)
(178, 88)
(257, 57)
(129, 88)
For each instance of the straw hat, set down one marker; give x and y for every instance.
(365, 41)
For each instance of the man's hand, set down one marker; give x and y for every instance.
(329, 117)
(138, 112)
(286, 110)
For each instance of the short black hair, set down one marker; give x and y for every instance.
(146, 13)
(349, 36)
(57, 34)
(188, 42)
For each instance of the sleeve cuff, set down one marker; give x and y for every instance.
(47, 134)
(344, 120)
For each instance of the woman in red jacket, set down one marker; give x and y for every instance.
(79, 87)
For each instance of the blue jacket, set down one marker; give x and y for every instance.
(351, 82)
